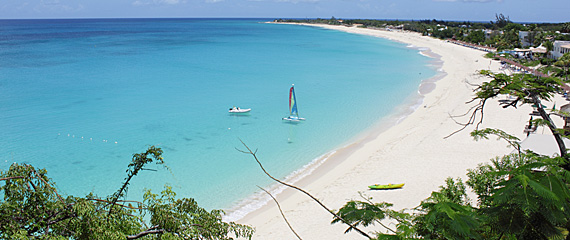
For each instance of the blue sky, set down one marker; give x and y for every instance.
(472, 10)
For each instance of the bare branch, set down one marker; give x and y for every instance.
(282, 214)
(301, 190)
(474, 110)
(120, 205)
(8, 178)
(468, 111)
(40, 178)
(152, 230)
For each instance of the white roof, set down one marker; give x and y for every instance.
(522, 50)
(539, 49)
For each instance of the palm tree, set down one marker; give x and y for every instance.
(549, 47)
(564, 62)
(566, 27)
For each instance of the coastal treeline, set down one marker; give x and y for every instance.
(527, 44)
(501, 33)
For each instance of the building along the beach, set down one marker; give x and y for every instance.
(560, 48)
(489, 33)
(524, 37)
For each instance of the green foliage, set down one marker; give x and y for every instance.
(531, 201)
(484, 179)
(443, 34)
(31, 208)
(566, 27)
(502, 21)
(476, 37)
(484, 134)
(522, 86)
(188, 220)
(505, 35)
(564, 62)
(138, 162)
(547, 61)
(366, 213)
(447, 214)
(362, 213)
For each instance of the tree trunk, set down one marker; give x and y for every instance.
(553, 129)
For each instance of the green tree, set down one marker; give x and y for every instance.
(564, 62)
(566, 27)
(31, 208)
(476, 37)
(549, 46)
(501, 21)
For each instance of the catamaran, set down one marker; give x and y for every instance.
(293, 113)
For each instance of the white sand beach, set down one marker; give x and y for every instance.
(413, 152)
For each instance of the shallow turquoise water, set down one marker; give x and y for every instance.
(79, 97)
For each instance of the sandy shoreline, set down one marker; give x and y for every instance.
(412, 152)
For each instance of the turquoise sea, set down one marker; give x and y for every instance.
(79, 97)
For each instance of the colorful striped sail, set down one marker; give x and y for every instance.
(292, 102)
(293, 113)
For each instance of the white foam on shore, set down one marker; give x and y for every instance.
(260, 198)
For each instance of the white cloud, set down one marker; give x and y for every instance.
(214, 1)
(140, 3)
(56, 6)
(290, 1)
(156, 2)
(481, 1)
(298, 1)
(171, 2)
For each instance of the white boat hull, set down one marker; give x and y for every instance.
(244, 110)
(293, 119)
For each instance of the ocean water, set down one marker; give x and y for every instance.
(80, 97)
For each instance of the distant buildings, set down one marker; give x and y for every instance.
(491, 33)
(560, 48)
(524, 37)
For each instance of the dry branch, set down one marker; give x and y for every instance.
(282, 214)
(301, 190)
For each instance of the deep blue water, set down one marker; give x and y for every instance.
(79, 97)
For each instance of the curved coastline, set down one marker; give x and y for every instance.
(260, 199)
(415, 150)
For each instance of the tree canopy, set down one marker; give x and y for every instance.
(31, 208)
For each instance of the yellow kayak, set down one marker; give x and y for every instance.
(386, 186)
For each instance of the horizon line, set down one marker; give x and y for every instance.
(274, 18)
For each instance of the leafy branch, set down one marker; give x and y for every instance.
(138, 162)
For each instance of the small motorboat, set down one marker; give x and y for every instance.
(239, 110)
(386, 186)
